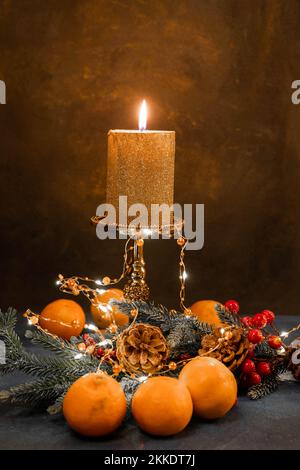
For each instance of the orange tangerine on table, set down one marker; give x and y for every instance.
(63, 317)
(212, 386)
(205, 311)
(104, 313)
(95, 405)
(162, 406)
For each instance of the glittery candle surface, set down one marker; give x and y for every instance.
(140, 166)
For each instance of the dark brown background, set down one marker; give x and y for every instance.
(219, 72)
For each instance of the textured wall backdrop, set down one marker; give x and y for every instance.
(219, 73)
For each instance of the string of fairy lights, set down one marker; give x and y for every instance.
(80, 284)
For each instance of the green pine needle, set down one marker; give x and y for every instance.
(227, 317)
(266, 387)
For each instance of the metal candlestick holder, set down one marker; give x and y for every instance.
(136, 288)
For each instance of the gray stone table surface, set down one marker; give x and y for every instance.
(269, 423)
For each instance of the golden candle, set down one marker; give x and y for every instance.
(141, 165)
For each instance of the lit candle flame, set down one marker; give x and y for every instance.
(143, 116)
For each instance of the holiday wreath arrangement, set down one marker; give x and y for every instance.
(161, 365)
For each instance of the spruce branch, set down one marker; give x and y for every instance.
(54, 373)
(58, 345)
(266, 387)
(264, 350)
(149, 313)
(63, 368)
(56, 407)
(270, 383)
(227, 317)
(35, 393)
(8, 319)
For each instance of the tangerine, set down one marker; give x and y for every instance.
(95, 405)
(205, 311)
(162, 406)
(103, 316)
(212, 386)
(63, 317)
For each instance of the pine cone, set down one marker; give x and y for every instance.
(231, 346)
(142, 348)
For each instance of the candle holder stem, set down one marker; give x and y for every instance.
(137, 289)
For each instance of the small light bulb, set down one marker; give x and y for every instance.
(105, 342)
(98, 282)
(143, 378)
(100, 291)
(78, 356)
(222, 331)
(91, 327)
(58, 283)
(29, 322)
(147, 231)
(184, 275)
(284, 334)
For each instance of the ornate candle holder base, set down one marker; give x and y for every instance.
(136, 288)
(134, 272)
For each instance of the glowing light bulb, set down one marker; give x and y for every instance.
(91, 327)
(147, 231)
(78, 356)
(143, 378)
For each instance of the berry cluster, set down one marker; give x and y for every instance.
(253, 369)
(90, 346)
(252, 372)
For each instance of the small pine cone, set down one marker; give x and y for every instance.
(294, 356)
(142, 348)
(229, 345)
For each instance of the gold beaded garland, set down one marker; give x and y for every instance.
(133, 312)
(106, 280)
(181, 241)
(113, 328)
(117, 369)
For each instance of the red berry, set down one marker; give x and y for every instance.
(247, 321)
(184, 356)
(250, 354)
(263, 368)
(254, 379)
(248, 366)
(255, 336)
(232, 306)
(259, 320)
(113, 354)
(270, 316)
(244, 381)
(85, 336)
(274, 342)
(100, 352)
